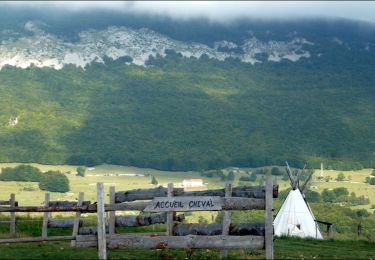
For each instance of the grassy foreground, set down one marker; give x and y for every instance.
(288, 248)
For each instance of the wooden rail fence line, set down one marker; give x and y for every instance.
(163, 208)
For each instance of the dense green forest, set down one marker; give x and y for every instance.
(185, 113)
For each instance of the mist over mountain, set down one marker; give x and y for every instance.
(99, 86)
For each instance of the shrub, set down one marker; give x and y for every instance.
(340, 177)
(252, 177)
(154, 181)
(370, 180)
(81, 171)
(276, 171)
(54, 181)
(22, 172)
(230, 176)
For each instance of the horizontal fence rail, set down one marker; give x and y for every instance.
(232, 203)
(148, 194)
(142, 241)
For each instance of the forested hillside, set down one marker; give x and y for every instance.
(181, 113)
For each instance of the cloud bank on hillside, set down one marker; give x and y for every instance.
(223, 11)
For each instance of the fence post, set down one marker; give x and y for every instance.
(12, 215)
(330, 231)
(112, 214)
(102, 244)
(170, 214)
(45, 216)
(359, 230)
(226, 218)
(269, 219)
(81, 196)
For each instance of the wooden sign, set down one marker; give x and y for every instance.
(185, 203)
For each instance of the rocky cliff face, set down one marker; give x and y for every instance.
(43, 49)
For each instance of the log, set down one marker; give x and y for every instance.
(154, 241)
(35, 239)
(243, 229)
(257, 192)
(4, 202)
(141, 220)
(90, 231)
(62, 223)
(66, 203)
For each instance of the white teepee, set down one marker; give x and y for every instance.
(295, 217)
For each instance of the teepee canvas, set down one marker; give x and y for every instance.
(295, 217)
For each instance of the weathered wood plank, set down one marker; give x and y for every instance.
(112, 214)
(12, 215)
(169, 224)
(184, 204)
(269, 219)
(226, 218)
(133, 241)
(84, 209)
(227, 204)
(257, 192)
(45, 216)
(66, 203)
(77, 219)
(35, 239)
(242, 229)
(102, 245)
(233, 203)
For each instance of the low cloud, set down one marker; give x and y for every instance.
(224, 11)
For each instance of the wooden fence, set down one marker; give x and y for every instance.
(11, 203)
(162, 208)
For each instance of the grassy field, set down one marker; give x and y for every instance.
(354, 182)
(285, 248)
(126, 178)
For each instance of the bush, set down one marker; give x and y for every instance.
(276, 171)
(340, 177)
(81, 171)
(313, 196)
(54, 181)
(230, 176)
(22, 172)
(370, 180)
(341, 195)
(252, 177)
(154, 181)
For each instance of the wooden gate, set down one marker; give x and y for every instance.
(165, 202)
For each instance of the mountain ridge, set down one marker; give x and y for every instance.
(176, 111)
(46, 50)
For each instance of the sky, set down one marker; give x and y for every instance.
(223, 11)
